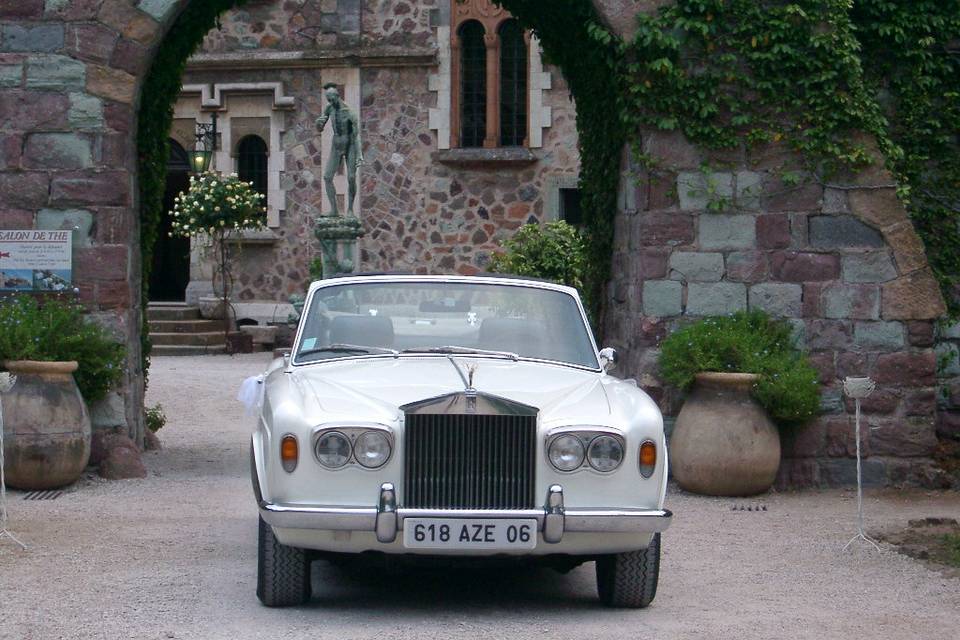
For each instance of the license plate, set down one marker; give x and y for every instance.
(469, 533)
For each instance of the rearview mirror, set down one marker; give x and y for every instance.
(608, 358)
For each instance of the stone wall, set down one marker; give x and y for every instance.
(948, 396)
(427, 216)
(69, 79)
(291, 25)
(840, 262)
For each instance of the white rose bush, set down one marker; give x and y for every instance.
(217, 204)
(215, 208)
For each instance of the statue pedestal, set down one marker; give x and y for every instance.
(338, 237)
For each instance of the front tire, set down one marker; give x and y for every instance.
(283, 573)
(630, 579)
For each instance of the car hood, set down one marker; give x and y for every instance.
(374, 389)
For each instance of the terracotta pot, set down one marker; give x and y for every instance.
(723, 443)
(46, 427)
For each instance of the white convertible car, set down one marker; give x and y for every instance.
(455, 416)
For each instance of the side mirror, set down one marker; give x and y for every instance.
(608, 358)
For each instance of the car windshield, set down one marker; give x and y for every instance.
(397, 318)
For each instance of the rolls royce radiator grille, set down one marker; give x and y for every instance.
(469, 461)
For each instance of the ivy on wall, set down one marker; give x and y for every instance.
(911, 53)
(160, 90)
(812, 74)
(727, 72)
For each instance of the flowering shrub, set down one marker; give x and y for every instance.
(747, 342)
(215, 204)
(155, 417)
(56, 331)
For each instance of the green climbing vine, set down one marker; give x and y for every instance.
(911, 53)
(728, 73)
(160, 89)
(814, 75)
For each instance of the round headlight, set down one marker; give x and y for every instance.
(372, 449)
(333, 449)
(605, 453)
(566, 452)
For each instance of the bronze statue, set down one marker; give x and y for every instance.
(345, 148)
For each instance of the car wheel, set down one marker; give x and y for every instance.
(630, 579)
(283, 573)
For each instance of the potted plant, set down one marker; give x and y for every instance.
(61, 362)
(217, 209)
(746, 376)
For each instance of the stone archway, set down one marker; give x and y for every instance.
(844, 263)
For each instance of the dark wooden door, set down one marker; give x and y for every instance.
(171, 255)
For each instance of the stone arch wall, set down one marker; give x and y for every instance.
(844, 264)
(70, 77)
(840, 261)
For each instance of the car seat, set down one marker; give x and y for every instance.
(367, 331)
(514, 335)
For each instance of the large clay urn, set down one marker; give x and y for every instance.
(46, 427)
(723, 443)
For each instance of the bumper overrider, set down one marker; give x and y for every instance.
(386, 519)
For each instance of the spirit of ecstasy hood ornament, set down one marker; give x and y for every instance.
(471, 369)
(467, 378)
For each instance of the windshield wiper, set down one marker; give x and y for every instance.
(348, 348)
(464, 350)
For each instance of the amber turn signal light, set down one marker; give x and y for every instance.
(648, 458)
(289, 453)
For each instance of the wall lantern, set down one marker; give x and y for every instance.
(206, 144)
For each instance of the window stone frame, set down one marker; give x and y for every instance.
(445, 118)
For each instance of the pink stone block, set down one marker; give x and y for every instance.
(906, 368)
(793, 266)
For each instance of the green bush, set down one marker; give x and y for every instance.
(155, 417)
(951, 542)
(56, 331)
(553, 251)
(747, 342)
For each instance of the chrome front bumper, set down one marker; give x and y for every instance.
(386, 519)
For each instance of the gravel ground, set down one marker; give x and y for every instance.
(174, 556)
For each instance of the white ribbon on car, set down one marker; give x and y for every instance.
(251, 394)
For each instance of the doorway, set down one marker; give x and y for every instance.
(170, 274)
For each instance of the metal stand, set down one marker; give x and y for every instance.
(858, 388)
(6, 383)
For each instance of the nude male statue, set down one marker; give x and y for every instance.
(345, 148)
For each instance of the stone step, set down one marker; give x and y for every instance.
(179, 350)
(172, 312)
(185, 326)
(208, 338)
